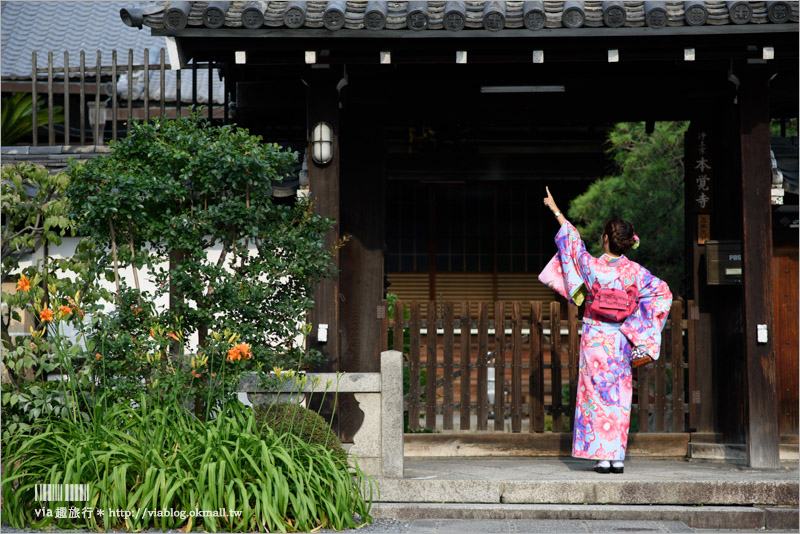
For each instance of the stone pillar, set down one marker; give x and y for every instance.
(392, 413)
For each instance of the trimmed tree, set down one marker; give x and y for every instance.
(193, 202)
(647, 189)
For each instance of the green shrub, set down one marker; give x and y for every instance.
(143, 460)
(290, 418)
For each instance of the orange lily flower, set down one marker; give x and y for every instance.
(46, 315)
(24, 284)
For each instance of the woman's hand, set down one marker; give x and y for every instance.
(550, 203)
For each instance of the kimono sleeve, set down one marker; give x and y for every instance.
(567, 272)
(643, 327)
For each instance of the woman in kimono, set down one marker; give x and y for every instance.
(603, 405)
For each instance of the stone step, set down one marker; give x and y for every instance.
(710, 517)
(607, 490)
(727, 452)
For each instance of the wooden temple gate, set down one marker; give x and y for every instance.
(453, 350)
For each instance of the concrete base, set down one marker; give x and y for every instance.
(712, 517)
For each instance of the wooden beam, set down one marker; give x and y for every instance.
(761, 426)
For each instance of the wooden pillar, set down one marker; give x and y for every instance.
(698, 146)
(362, 221)
(323, 179)
(761, 425)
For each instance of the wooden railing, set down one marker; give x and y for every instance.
(453, 351)
(95, 86)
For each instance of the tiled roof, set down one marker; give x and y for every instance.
(457, 16)
(89, 26)
(66, 26)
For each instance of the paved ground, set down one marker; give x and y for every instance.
(573, 469)
(464, 526)
(461, 526)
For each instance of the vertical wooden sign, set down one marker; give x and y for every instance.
(699, 172)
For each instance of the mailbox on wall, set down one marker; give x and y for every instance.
(723, 263)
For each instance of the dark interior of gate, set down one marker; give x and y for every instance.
(441, 158)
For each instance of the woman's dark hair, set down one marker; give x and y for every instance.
(620, 235)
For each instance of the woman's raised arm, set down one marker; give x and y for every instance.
(551, 203)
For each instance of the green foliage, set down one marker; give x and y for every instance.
(181, 189)
(647, 190)
(17, 116)
(144, 459)
(34, 211)
(36, 216)
(790, 126)
(309, 426)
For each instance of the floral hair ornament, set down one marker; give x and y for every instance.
(635, 241)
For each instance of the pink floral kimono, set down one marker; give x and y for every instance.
(603, 406)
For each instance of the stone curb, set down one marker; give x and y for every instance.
(656, 492)
(710, 517)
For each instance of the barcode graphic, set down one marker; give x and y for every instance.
(61, 492)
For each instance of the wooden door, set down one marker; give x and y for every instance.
(785, 284)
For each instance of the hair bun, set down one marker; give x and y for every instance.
(621, 236)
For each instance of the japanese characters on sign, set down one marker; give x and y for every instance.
(701, 173)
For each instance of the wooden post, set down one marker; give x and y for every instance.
(555, 366)
(449, 342)
(146, 85)
(114, 95)
(98, 127)
(499, 365)
(660, 370)
(690, 358)
(51, 132)
(162, 83)
(516, 367)
(413, 368)
(323, 179)
(430, 369)
(82, 98)
(536, 404)
(397, 336)
(483, 349)
(464, 411)
(678, 415)
(761, 425)
(130, 91)
(66, 97)
(35, 100)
